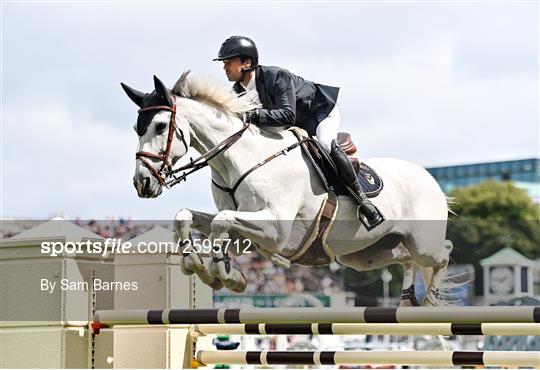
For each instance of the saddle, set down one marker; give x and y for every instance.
(371, 182)
(314, 250)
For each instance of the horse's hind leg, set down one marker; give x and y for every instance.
(375, 258)
(408, 294)
(439, 285)
(431, 252)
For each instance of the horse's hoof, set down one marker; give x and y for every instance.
(185, 270)
(216, 284)
(237, 284)
(209, 280)
(189, 265)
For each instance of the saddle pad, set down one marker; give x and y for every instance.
(370, 181)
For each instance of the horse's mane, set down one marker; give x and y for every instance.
(213, 91)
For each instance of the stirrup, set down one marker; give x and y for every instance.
(365, 221)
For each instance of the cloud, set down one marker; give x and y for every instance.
(415, 105)
(432, 83)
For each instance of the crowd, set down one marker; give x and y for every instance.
(264, 277)
(121, 228)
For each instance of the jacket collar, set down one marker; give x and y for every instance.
(259, 84)
(259, 78)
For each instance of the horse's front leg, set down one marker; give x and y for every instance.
(259, 227)
(192, 262)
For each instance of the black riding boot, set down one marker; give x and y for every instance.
(347, 173)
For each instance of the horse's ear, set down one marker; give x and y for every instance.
(181, 86)
(135, 95)
(162, 91)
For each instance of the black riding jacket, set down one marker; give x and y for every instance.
(289, 100)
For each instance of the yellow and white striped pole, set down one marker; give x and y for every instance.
(370, 329)
(405, 358)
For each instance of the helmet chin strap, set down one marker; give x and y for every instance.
(245, 71)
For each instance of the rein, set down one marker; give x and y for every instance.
(232, 190)
(194, 164)
(166, 175)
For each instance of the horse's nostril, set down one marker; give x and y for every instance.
(146, 183)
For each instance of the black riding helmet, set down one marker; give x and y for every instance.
(238, 46)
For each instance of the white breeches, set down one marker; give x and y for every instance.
(327, 129)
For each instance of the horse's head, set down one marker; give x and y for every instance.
(163, 138)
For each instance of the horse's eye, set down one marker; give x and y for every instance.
(160, 127)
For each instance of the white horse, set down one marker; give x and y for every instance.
(274, 205)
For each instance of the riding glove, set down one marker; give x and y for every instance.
(252, 116)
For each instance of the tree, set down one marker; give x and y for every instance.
(490, 216)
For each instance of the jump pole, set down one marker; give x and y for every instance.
(303, 315)
(406, 358)
(367, 329)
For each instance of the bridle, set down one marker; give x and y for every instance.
(166, 175)
(166, 166)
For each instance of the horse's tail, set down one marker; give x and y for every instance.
(449, 202)
(444, 284)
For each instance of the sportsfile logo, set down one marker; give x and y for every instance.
(103, 248)
(117, 246)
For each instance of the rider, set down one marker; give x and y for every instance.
(286, 100)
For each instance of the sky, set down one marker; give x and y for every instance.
(434, 83)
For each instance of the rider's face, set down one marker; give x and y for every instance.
(233, 68)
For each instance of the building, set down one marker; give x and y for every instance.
(525, 173)
(508, 275)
